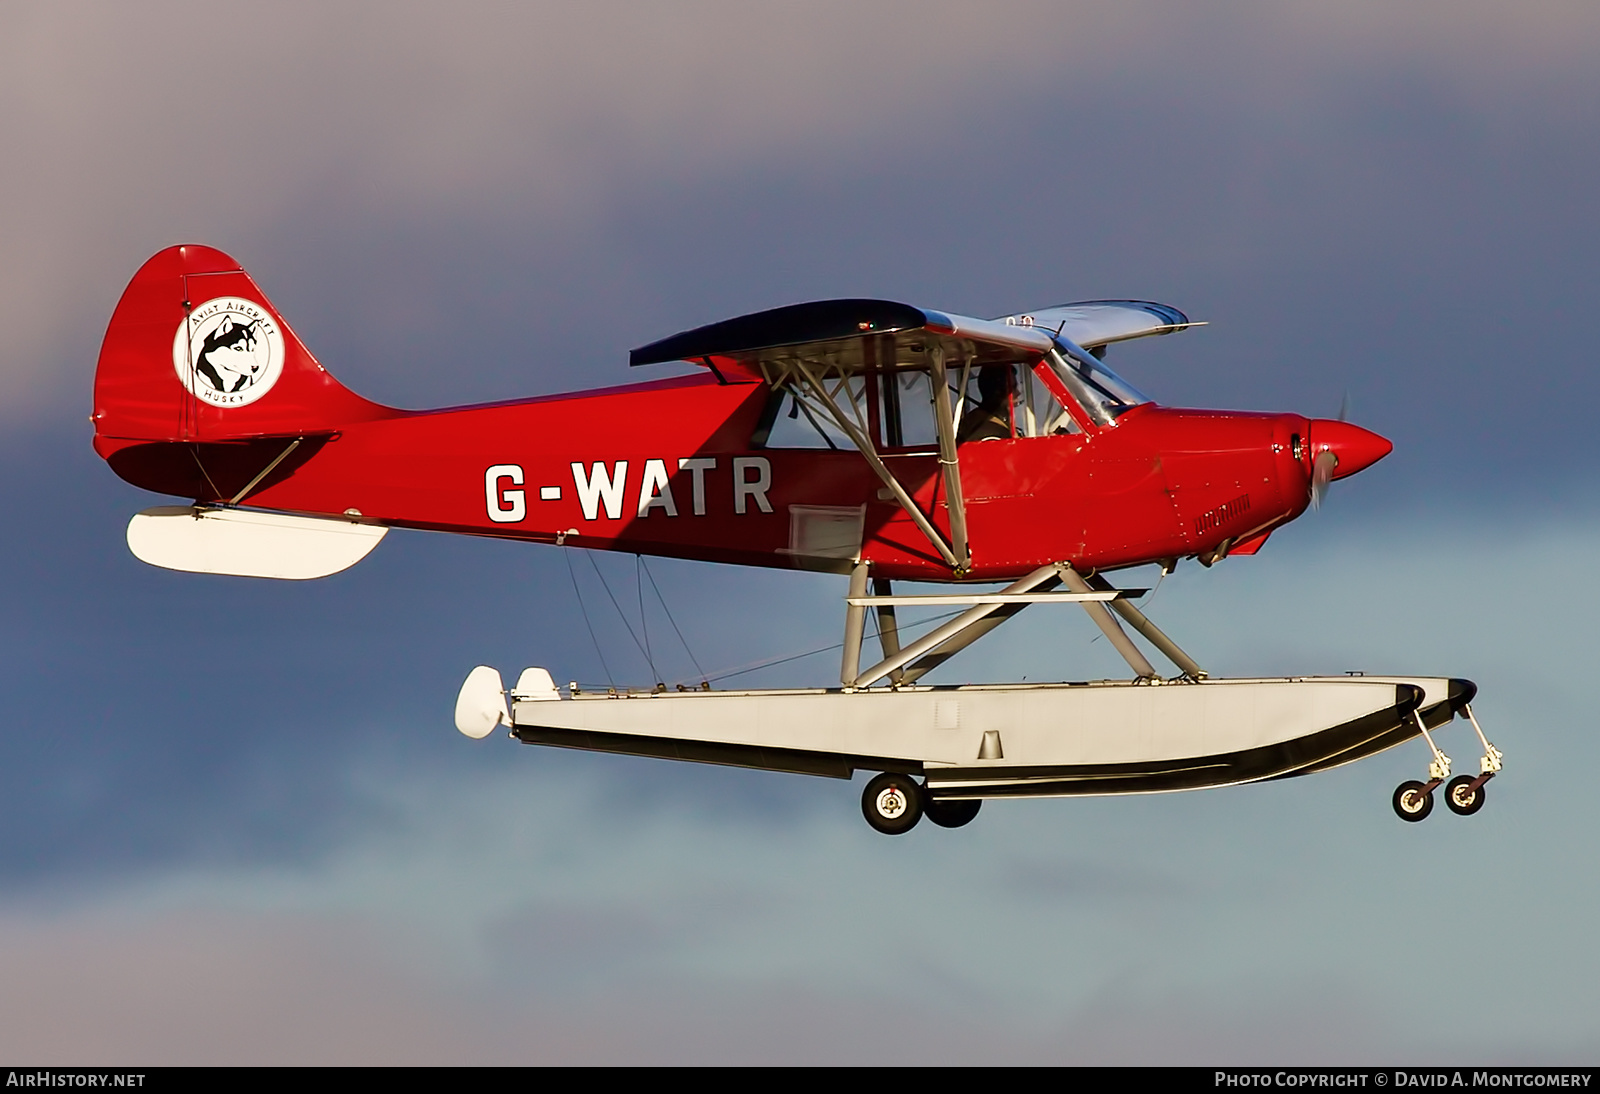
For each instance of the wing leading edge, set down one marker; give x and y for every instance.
(1095, 323)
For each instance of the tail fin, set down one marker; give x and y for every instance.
(196, 353)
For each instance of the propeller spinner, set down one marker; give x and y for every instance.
(1339, 450)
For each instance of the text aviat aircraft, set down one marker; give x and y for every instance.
(863, 437)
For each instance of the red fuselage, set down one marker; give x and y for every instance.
(667, 468)
(203, 392)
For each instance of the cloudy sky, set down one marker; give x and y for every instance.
(235, 821)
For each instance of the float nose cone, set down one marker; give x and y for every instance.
(1355, 448)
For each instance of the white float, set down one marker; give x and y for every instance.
(1003, 740)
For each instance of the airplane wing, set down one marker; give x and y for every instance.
(1094, 323)
(850, 335)
(818, 349)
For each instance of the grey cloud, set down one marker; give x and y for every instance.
(214, 990)
(129, 129)
(239, 124)
(252, 989)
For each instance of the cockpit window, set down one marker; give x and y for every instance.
(896, 410)
(1103, 394)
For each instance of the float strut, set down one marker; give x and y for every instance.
(855, 620)
(1141, 667)
(888, 626)
(954, 635)
(1153, 634)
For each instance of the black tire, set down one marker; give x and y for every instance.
(1462, 798)
(950, 814)
(1412, 801)
(892, 803)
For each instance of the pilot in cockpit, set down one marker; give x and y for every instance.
(990, 420)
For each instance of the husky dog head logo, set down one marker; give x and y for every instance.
(228, 351)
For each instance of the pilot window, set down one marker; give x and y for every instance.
(896, 409)
(1008, 401)
(1102, 394)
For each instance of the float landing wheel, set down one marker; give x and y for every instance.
(1463, 797)
(951, 814)
(1413, 801)
(892, 803)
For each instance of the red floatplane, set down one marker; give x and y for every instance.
(877, 440)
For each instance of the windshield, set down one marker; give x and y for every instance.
(1103, 393)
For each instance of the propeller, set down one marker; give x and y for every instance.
(1339, 450)
(1324, 463)
(1322, 469)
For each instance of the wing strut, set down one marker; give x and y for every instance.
(956, 559)
(945, 420)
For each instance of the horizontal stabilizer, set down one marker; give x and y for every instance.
(248, 542)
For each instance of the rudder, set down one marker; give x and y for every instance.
(195, 352)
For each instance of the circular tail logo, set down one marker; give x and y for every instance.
(228, 351)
